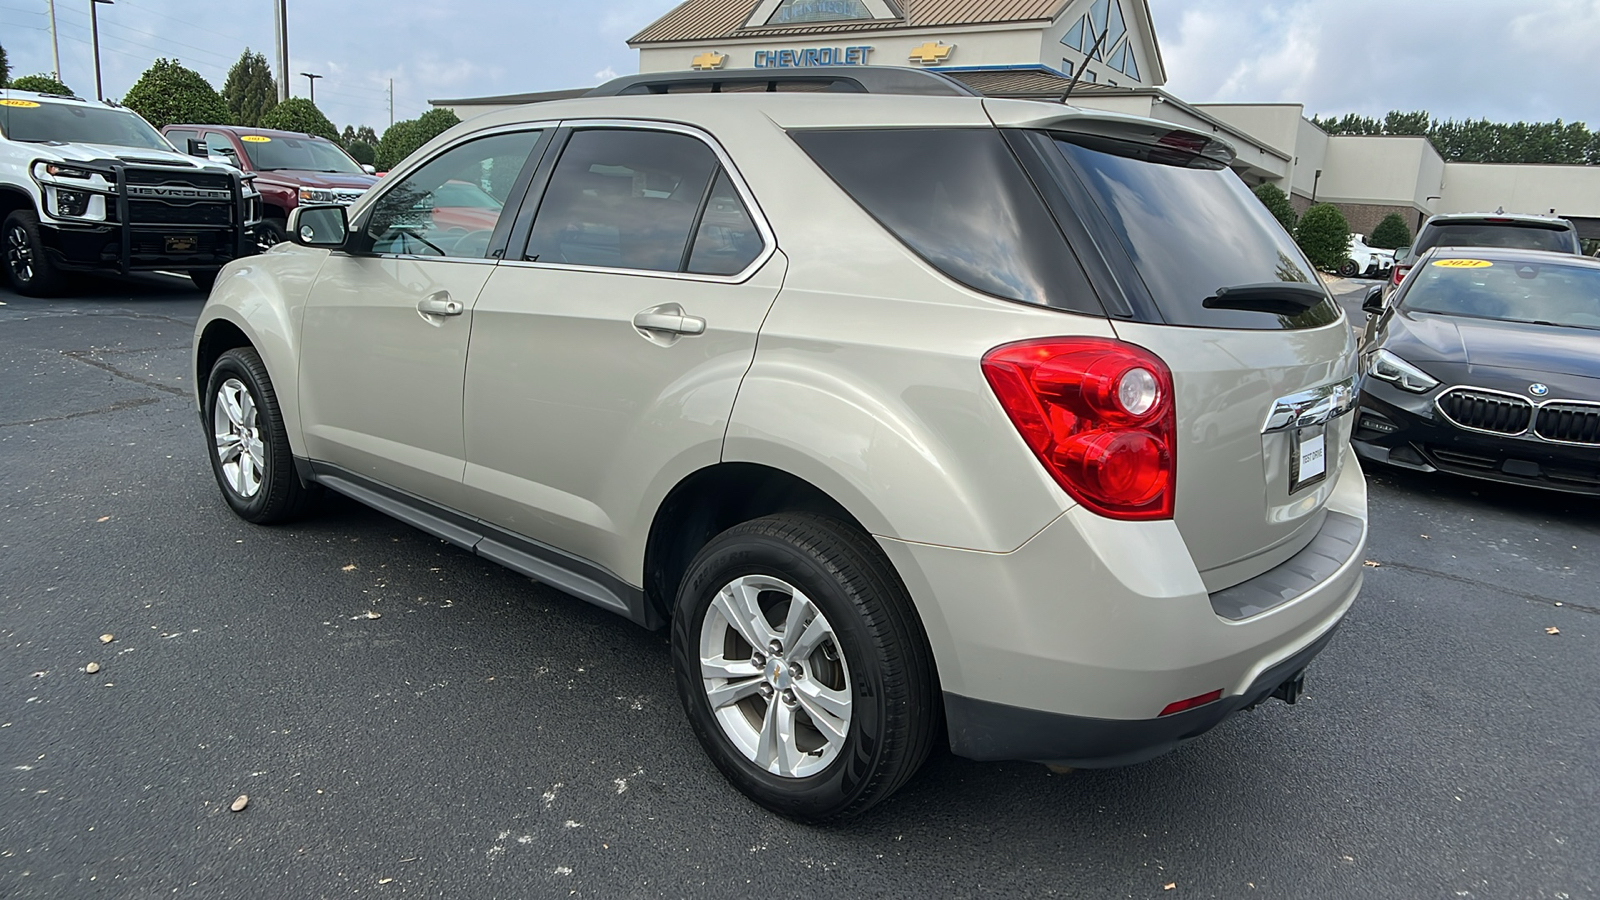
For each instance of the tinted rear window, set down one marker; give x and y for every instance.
(960, 200)
(1191, 231)
(1492, 234)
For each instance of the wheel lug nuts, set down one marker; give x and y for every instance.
(788, 698)
(776, 647)
(796, 671)
(765, 690)
(758, 659)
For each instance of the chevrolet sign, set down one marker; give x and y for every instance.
(812, 56)
(176, 193)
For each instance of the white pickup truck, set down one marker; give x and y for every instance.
(89, 186)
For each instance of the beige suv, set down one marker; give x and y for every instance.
(916, 416)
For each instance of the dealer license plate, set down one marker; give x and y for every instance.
(182, 244)
(1308, 457)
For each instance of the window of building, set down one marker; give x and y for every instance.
(803, 12)
(1103, 35)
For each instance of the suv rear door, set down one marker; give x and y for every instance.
(608, 347)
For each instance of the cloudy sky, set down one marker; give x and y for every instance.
(1501, 59)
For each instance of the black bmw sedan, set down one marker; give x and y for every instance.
(1486, 363)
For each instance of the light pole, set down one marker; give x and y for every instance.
(312, 81)
(55, 46)
(94, 34)
(280, 12)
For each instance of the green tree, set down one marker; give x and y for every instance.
(1277, 203)
(1412, 123)
(1392, 232)
(363, 135)
(250, 91)
(403, 138)
(362, 152)
(167, 94)
(41, 84)
(5, 68)
(1324, 235)
(300, 114)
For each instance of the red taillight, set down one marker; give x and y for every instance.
(1179, 706)
(1400, 273)
(1099, 414)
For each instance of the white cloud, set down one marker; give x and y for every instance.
(605, 74)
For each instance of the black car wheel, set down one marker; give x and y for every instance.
(803, 667)
(269, 233)
(250, 453)
(27, 265)
(1349, 269)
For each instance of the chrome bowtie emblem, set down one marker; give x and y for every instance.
(1538, 390)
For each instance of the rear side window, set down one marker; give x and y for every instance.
(960, 200)
(1494, 234)
(1191, 231)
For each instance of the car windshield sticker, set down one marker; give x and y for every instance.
(1463, 263)
(255, 139)
(24, 104)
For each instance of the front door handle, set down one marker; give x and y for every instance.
(669, 319)
(440, 304)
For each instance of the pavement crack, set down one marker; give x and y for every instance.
(1535, 598)
(84, 357)
(118, 406)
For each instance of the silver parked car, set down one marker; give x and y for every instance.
(916, 416)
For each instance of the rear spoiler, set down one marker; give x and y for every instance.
(1152, 134)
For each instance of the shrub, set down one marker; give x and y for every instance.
(250, 91)
(167, 93)
(403, 138)
(1391, 233)
(300, 114)
(41, 84)
(1324, 235)
(1277, 203)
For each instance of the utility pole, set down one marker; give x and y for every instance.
(312, 81)
(94, 34)
(391, 103)
(55, 48)
(280, 10)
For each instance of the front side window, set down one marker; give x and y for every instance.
(627, 199)
(451, 204)
(219, 145)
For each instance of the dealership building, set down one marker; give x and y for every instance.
(1107, 53)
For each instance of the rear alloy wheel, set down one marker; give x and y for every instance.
(1349, 269)
(27, 265)
(803, 667)
(250, 454)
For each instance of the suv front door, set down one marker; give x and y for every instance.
(384, 341)
(606, 358)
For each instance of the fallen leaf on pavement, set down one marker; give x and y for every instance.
(1169, 885)
(349, 568)
(1372, 564)
(92, 668)
(1552, 631)
(239, 803)
(103, 519)
(385, 880)
(369, 614)
(105, 638)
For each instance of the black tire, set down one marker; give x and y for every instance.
(28, 266)
(203, 279)
(280, 495)
(270, 232)
(894, 687)
(1349, 269)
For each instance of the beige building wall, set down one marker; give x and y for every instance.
(1275, 124)
(1485, 187)
(1310, 155)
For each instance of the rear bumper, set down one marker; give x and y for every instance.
(1068, 649)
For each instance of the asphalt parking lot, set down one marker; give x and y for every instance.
(412, 721)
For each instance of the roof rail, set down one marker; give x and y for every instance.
(839, 79)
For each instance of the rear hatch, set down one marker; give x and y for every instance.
(1262, 359)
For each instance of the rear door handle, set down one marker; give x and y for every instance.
(440, 304)
(669, 319)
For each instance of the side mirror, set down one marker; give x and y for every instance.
(1373, 303)
(198, 148)
(1402, 254)
(319, 226)
(369, 168)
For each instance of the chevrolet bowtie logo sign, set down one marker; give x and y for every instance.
(706, 62)
(931, 53)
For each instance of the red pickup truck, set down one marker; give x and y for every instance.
(290, 169)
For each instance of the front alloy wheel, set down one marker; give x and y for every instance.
(250, 453)
(26, 263)
(238, 439)
(773, 674)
